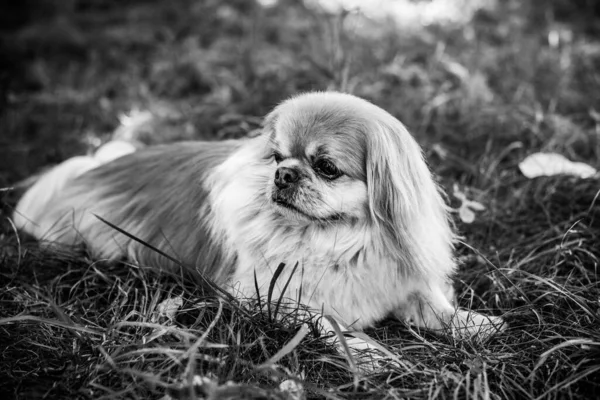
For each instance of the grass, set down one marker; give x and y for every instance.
(479, 94)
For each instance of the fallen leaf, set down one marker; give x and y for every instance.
(167, 308)
(465, 211)
(466, 215)
(550, 164)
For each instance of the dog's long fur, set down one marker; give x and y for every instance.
(375, 241)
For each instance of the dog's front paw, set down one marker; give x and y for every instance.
(467, 324)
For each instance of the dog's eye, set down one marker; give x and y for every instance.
(327, 169)
(277, 157)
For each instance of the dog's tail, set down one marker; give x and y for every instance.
(42, 192)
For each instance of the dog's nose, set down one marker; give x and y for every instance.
(284, 177)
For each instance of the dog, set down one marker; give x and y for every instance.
(333, 184)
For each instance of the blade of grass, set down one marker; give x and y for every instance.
(31, 318)
(283, 291)
(288, 348)
(257, 292)
(347, 353)
(272, 287)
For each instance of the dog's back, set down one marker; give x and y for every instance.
(155, 194)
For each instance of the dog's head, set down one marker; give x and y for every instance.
(318, 149)
(338, 159)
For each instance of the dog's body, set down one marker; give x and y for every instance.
(334, 184)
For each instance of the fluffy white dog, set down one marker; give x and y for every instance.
(334, 183)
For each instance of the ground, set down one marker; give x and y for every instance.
(480, 85)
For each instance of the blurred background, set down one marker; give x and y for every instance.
(480, 83)
(461, 74)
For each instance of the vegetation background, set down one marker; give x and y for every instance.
(481, 84)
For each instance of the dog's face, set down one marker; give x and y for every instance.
(337, 158)
(318, 154)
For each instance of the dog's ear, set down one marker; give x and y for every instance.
(405, 203)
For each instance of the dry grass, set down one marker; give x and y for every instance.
(479, 95)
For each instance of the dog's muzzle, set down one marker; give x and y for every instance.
(286, 177)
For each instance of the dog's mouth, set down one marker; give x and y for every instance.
(281, 202)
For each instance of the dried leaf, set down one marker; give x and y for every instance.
(167, 308)
(466, 215)
(550, 164)
(465, 211)
(475, 205)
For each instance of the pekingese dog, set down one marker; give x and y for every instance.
(333, 183)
